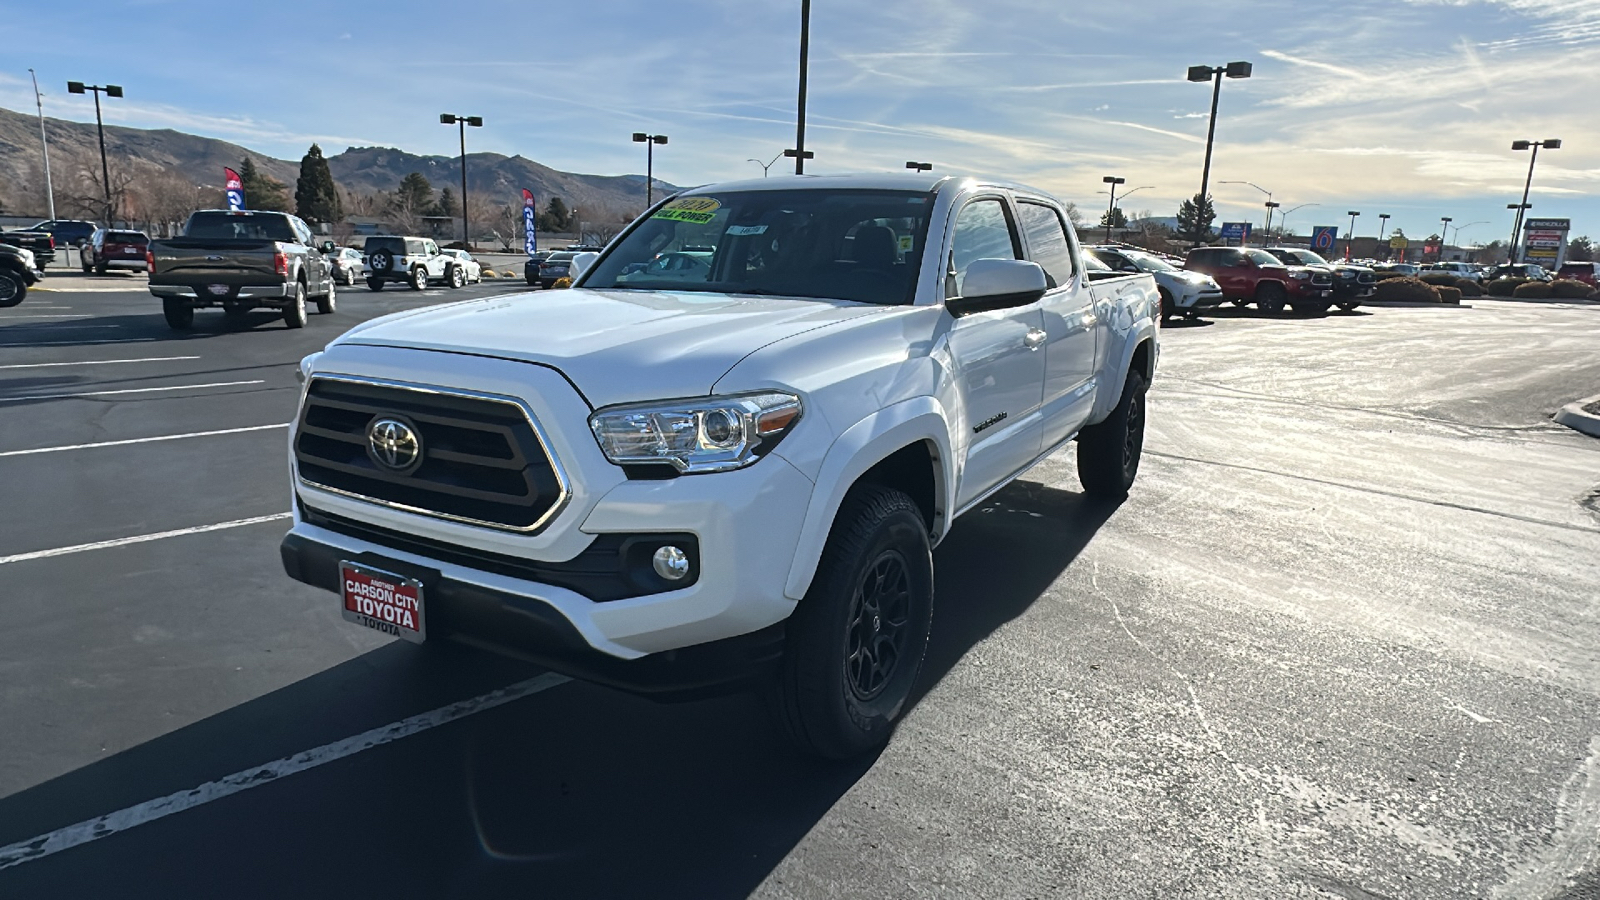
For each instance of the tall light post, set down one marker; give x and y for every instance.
(800, 155)
(1383, 229)
(1285, 221)
(1350, 241)
(49, 189)
(919, 166)
(1516, 227)
(463, 122)
(1270, 205)
(1266, 236)
(1516, 220)
(1111, 207)
(110, 90)
(1443, 234)
(649, 141)
(765, 165)
(1213, 74)
(1461, 228)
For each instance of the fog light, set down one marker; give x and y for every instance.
(671, 563)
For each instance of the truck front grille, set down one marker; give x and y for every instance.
(479, 459)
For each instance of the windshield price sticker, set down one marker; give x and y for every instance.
(694, 210)
(382, 601)
(746, 230)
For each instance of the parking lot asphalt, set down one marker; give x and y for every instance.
(1341, 641)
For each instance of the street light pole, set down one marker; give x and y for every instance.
(1350, 242)
(919, 166)
(800, 154)
(1111, 207)
(110, 90)
(1383, 227)
(1516, 227)
(1270, 205)
(1212, 74)
(1444, 235)
(463, 122)
(649, 141)
(1284, 224)
(49, 188)
(765, 165)
(1266, 236)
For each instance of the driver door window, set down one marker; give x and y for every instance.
(983, 231)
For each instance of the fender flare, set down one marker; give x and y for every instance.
(1110, 391)
(859, 448)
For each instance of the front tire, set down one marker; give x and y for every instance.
(1108, 453)
(855, 643)
(294, 315)
(1271, 297)
(179, 313)
(327, 304)
(1168, 310)
(12, 290)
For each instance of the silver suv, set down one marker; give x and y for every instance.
(413, 260)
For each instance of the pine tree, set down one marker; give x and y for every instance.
(415, 194)
(555, 217)
(1113, 219)
(1195, 216)
(261, 191)
(315, 198)
(448, 204)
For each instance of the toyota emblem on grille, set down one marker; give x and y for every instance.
(394, 444)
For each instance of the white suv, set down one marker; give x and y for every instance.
(414, 261)
(678, 484)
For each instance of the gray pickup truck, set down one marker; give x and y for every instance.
(241, 260)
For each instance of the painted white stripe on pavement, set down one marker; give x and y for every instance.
(76, 343)
(31, 327)
(140, 538)
(143, 440)
(124, 819)
(98, 362)
(47, 317)
(175, 387)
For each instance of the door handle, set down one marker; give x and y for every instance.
(1034, 338)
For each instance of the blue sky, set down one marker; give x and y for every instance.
(1405, 107)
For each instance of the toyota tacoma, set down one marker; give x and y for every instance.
(677, 486)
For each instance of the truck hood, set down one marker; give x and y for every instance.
(615, 346)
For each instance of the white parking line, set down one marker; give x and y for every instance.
(143, 440)
(47, 317)
(98, 362)
(140, 539)
(175, 387)
(124, 819)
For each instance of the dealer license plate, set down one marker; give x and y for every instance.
(217, 289)
(382, 601)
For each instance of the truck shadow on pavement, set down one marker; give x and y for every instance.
(578, 791)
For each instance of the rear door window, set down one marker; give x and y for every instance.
(983, 231)
(1047, 241)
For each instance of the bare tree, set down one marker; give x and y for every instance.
(356, 204)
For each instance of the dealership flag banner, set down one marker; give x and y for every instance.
(530, 229)
(235, 190)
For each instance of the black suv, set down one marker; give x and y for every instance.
(1351, 284)
(530, 269)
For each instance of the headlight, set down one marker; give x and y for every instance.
(1300, 276)
(714, 434)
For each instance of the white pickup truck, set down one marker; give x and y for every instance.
(733, 479)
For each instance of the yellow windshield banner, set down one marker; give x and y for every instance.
(694, 210)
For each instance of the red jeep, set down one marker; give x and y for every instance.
(1248, 275)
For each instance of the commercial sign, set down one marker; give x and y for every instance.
(1235, 231)
(1323, 237)
(1398, 243)
(530, 228)
(235, 189)
(1544, 241)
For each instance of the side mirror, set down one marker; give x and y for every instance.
(998, 284)
(581, 263)
(328, 247)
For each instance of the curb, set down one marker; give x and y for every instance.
(1573, 416)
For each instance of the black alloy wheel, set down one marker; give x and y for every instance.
(880, 610)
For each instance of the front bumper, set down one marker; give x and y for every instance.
(1201, 299)
(746, 524)
(1305, 290)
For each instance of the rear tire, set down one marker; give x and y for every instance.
(179, 313)
(327, 304)
(456, 276)
(1348, 307)
(1270, 297)
(419, 278)
(1167, 309)
(235, 309)
(375, 284)
(855, 643)
(1108, 453)
(294, 315)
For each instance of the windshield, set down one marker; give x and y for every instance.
(1262, 258)
(1148, 263)
(857, 245)
(234, 225)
